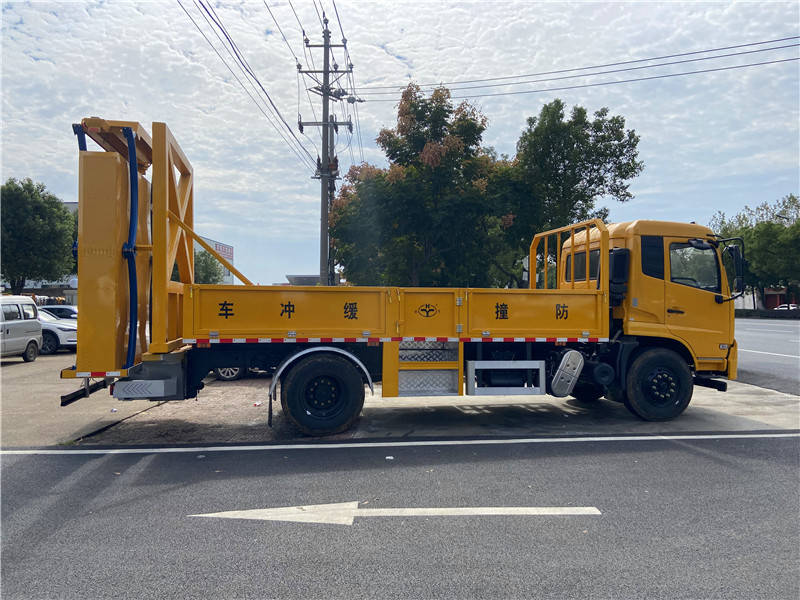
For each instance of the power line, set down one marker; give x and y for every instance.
(224, 62)
(249, 70)
(664, 64)
(352, 80)
(296, 17)
(281, 32)
(613, 64)
(297, 61)
(305, 57)
(319, 16)
(603, 83)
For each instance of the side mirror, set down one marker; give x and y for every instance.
(619, 265)
(738, 285)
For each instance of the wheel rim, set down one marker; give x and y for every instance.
(661, 387)
(323, 397)
(49, 344)
(30, 351)
(229, 372)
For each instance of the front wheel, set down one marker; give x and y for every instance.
(322, 394)
(31, 352)
(49, 343)
(659, 385)
(587, 392)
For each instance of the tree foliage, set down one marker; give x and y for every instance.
(207, 269)
(36, 234)
(447, 211)
(771, 234)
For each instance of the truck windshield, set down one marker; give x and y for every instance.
(694, 267)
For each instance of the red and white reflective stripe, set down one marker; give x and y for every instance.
(98, 374)
(342, 340)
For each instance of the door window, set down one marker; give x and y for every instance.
(653, 256)
(11, 312)
(29, 311)
(580, 265)
(694, 267)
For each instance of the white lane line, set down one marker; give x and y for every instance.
(343, 513)
(346, 445)
(770, 353)
(764, 329)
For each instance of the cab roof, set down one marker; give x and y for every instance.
(644, 227)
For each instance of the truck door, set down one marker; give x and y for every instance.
(692, 283)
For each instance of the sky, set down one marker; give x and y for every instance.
(714, 141)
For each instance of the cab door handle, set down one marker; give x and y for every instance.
(675, 311)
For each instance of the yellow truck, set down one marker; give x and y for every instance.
(639, 312)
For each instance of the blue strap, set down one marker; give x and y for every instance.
(77, 129)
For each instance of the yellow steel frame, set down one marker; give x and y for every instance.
(578, 235)
(173, 191)
(166, 209)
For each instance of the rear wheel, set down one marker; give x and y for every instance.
(229, 373)
(322, 394)
(659, 385)
(49, 343)
(31, 352)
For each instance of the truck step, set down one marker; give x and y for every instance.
(483, 377)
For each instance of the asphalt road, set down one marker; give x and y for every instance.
(703, 518)
(769, 353)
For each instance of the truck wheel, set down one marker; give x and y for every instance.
(229, 373)
(31, 352)
(659, 385)
(49, 343)
(587, 392)
(322, 394)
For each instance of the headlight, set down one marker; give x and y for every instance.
(67, 329)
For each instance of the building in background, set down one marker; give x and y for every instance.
(225, 251)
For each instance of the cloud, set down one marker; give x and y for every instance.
(710, 142)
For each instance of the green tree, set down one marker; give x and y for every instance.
(423, 220)
(74, 268)
(448, 211)
(36, 234)
(207, 269)
(771, 234)
(563, 166)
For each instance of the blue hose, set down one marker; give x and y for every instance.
(129, 248)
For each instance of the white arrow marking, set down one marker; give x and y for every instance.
(343, 513)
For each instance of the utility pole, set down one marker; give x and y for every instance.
(327, 165)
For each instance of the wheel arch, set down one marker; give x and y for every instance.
(646, 343)
(289, 360)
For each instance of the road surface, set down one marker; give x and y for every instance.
(769, 353)
(710, 517)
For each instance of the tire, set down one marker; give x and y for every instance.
(616, 394)
(31, 352)
(659, 385)
(322, 394)
(587, 392)
(229, 373)
(50, 343)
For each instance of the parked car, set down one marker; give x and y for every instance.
(21, 332)
(61, 311)
(57, 333)
(786, 307)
